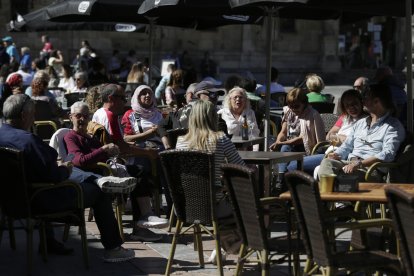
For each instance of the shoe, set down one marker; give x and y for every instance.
(212, 259)
(58, 248)
(118, 254)
(144, 235)
(152, 222)
(113, 184)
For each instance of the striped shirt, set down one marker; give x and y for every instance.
(225, 152)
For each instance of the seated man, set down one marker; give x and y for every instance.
(18, 111)
(113, 97)
(372, 139)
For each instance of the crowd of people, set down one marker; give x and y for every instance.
(370, 127)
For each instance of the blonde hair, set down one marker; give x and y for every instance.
(227, 99)
(314, 83)
(202, 127)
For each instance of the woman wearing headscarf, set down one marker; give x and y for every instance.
(140, 123)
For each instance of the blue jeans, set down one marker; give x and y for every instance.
(288, 148)
(310, 162)
(63, 199)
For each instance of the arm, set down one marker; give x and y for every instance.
(169, 97)
(161, 87)
(141, 136)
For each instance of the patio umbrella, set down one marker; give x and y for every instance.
(356, 8)
(203, 8)
(37, 21)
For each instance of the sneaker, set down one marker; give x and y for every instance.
(152, 222)
(144, 235)
(113, 184)
(212, 259)
(118, 254)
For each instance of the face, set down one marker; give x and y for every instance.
(370, 104)
(208, 96)
(237, 101)
(145, 98)
(79, 82)
(296, 107)
(358, 85)
(353, 107)
(80, 119)
(118, 101)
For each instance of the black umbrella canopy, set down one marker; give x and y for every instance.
(37, 21)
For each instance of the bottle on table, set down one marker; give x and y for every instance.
(245, 129)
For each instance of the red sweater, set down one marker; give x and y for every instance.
(87, 151)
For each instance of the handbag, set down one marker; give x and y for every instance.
(117, 168)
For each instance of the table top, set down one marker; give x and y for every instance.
(368, 192)
(267, 156)
(237, 140)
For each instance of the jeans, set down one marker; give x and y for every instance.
(63, 199)
(288, 148)
(310, 162)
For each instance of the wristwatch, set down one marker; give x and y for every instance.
(358, 164)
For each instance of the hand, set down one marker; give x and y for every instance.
(68, 165)
(152, 130)
(111, 149)
(350, 168)
(276, 145)
(334, 156)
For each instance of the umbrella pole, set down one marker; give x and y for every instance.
(151, 48)
(269, 37)
(409, 62)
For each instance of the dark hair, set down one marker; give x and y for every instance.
(248, 84)
(383, 93)
(350, 93)
(274, 74)
(232, 81)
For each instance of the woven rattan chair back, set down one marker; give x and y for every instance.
(329, 120)
(401, 205)
(241, 184)
(14, 196)
(309, 211)
(190, 179)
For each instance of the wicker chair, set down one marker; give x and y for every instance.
(190, 179)
(16, 203)
(249, 210)
(315, 223)
(401, 205)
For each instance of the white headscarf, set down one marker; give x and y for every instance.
(146, 113)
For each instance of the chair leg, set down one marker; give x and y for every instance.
(172, 219)
(11, 233)
(178, 227)
(29, 245)
(265, 262)
(43, 245)
(90, 215)
(218, 248)
(66, 232)
(82, 230)
(240, 261)
(118, 214)
(199, 242)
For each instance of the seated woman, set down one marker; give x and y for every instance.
(352, 106)
(174, 93)
(315, 85)
(81, 82)
(89, 151)
(203, 135)
(140, 123)
(302, 129)
(236, 110)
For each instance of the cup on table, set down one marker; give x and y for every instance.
(326, 183)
